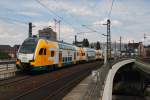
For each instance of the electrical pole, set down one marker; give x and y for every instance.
(75, 39)
(59, 28)
(133, 41)
(144, 38)
(108, 44)
(30, 29)
(57, 22)
(115, 49)
(108, 40)
(120, 45)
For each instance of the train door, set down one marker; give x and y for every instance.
(41, 57)
(44, 57)
(75, 57)
(60, 58)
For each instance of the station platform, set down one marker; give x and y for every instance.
(79, 92)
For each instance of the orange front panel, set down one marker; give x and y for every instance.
(43, 60)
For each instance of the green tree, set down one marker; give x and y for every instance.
(92, 45)
(85, 42)
(98, 46)
(4, 55)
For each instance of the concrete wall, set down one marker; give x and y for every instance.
(107, 93)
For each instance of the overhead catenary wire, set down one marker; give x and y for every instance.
(67, 10)
(109, 15)
(110, 11)
(52, 12)
(94, 31)
(14, 20)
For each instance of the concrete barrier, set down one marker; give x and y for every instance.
(7, 70)
(7, 74)
(107, 93)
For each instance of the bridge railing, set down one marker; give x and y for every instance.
(6, 65)
(96, 86)
(145, 60)
(97, 83)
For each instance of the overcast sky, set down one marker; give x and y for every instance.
(130, 19)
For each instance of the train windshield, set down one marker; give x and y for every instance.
(28, 46)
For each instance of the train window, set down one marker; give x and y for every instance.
(60, 46)
(60, 56)
(70, 58)
(82, 54)
(52, 53)
(41, 51)
(74, 55)
(63, 59)
(28, 46)
(44, 51)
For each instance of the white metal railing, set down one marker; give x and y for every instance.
(7, 65)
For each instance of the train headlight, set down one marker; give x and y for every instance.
(18, 62)
(31, 62)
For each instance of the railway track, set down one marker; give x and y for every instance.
(52, 89)
(57, 95)
(48, 86)
(14, 80)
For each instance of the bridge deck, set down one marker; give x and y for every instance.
(88, 88)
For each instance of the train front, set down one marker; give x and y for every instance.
(26, 54)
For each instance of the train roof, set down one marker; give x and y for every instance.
(61, 44)
(31, 39)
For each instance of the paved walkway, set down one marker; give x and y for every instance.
(80, 90)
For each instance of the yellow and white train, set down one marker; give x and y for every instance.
(40, 54)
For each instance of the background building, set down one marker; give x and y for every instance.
(147, 49)
(7, 49)
(48, 33)
(136, 49)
